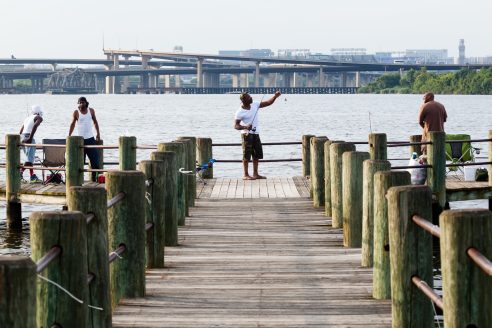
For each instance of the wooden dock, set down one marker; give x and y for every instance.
(257, 262)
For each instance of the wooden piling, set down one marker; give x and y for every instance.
(126, 226)
(490, 165)
(93, 201)
(467, 290)
(128, 153)
(352, 173)
(187, 176)
(306, 154)
(378, 146)
(204, 155)
(436, 175)
(68, 231)
(191, 167)
(155, 174)
(383, 180)
(317, 171)
(411, 255)
(415, 148)
(170, 195)
(336, 152)
(74, 163)
(17, 292)
(178, 148)
(13, 181)
(370, 167)
(327, 184)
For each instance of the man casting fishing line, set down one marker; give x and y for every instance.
(246, 120)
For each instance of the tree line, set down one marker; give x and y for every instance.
(465, 81)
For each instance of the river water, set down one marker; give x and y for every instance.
(160, 118)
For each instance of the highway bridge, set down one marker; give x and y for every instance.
(166, 70)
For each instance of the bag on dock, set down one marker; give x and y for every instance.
(481, 174)
(417, 175)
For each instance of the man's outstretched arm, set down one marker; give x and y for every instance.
(271, 100)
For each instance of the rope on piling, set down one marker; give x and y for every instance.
(116, 199)
(116, 254)
(428, 291)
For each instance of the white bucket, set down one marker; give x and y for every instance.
(470, 173)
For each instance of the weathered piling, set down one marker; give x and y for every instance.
(204, 155)
(370, 167)
(467, 290)
(306, 154)
(490, 166)
(155, 174)
(415, 148)
(411, 255)
(74, 163)
(128, 153)
(66, 230)
(178, 148)
(92, 201)
(13, 182)
(170, 195)
(317, 170)
(191, 166)
(336, 152)
(327, 184)
(17, 292)
(352, 173)
(378, 146)
(187, 176)
(126, 226)
(436, 175)
(383, 180)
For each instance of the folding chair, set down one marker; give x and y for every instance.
(459, 152)
(53, 157)
(201, 168)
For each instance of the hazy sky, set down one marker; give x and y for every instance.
(75, 29)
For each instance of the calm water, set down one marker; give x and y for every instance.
(159, 118)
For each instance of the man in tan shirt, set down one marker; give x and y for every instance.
(432, 116)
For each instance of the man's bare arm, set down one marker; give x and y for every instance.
(37, 122)
(421, 116)
(96, 124)
(75, 117)
(238, 126)
(271, 100)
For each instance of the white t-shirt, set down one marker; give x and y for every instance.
(247, 115)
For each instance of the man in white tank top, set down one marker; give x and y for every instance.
(85, 117)
(27, 131)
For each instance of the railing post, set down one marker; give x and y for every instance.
(93, 200)
(155, 173)
(178, 148)
(411, 255)
(126, 226)
(17, 292)
(370, 167)
(128, 153)
(13, 181)
(74, 163)
(415, 148)
(436, 175)
(467, 290)
(383, 180)
(170, 195)
(336, 152)
(327, 184)
(186, 163)
(318, 171)
(352, 173)
(306, 156)
(68, 231)
(191, 156)
(378, 146)
(204, 154)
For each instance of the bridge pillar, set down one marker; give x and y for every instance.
(211, 80)
(108, 89)
(126, 79)
(199, 73)
(321, 77)
(53, 67)
(235, 80)
(287, 77)
(344, 80)
(257, 74)
(177, 81)
(116, 79)
(167, 81)
(357, 79)
(144, 78)
(270, 80)
(244, 80)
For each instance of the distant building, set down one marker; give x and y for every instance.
(461, 51)
(293, 53)
(259, 53)
(348, 51)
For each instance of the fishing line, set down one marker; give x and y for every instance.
(370, 123)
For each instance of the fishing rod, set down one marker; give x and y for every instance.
(254, 129)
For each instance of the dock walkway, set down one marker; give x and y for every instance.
(257, 262)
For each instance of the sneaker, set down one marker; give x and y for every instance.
(35, 179)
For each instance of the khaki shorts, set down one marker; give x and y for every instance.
(251, 146)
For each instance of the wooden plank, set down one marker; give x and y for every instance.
(263, 188)
(255, 188)
(224, 188)
(216, 189)
(278, 187)
(240, 189)
(247, 188)
(208, 186)
(271, 188)
(293, 187)
(231, 193)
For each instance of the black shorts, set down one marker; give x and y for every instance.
(252, 146)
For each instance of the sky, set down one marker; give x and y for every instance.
(78, 29)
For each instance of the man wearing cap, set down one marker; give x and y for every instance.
(27, 131)
(85, 117)
(246, 120)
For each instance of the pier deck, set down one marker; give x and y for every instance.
(257, 263)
